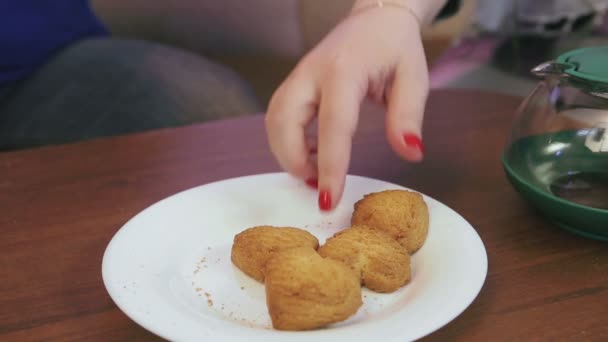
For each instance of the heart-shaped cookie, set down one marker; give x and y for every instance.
(305, 291)
(381, 262)
(401, 214)
(253, 247)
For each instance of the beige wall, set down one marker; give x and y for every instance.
(225, 26)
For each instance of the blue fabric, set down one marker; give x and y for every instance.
(32, 31)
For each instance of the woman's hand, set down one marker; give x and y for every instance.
(376, 53)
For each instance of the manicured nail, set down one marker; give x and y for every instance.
(413, 140)
(313, 150)
(312, 182)
(324, 200)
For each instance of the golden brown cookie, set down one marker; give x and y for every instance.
(381, 262)
(254, 246)
(400, 213)
(305, 291)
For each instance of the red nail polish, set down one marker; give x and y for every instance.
(312, 182)
(313, 150)
(413, 141)
(324, 200)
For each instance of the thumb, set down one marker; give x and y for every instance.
(406, 101)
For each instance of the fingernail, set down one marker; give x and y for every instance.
(324, 200)
(313, 150)
(413, 140)
(312, 182)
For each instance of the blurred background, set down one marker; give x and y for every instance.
(263, 40)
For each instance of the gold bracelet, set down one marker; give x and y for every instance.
(384, 3)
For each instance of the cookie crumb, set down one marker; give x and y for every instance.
(242, 287)
(209, 302)
(207, 294)
(198, 289)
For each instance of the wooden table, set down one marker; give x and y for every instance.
(60, 206)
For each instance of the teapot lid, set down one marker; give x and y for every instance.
(589, 64)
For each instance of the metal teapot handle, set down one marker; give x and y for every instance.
(551, 69)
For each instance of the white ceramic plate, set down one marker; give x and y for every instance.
(169, 267)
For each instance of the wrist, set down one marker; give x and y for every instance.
(424, 11)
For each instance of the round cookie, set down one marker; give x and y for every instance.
(253, 247)
(401, 214)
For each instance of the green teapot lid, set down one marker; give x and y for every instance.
(589, 64)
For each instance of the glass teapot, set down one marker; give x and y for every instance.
(557, 153)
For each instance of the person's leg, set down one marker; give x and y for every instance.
(5, 92)
(111, 86)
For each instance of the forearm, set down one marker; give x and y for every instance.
(425, 10)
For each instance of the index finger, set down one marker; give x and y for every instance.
(338, 116)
